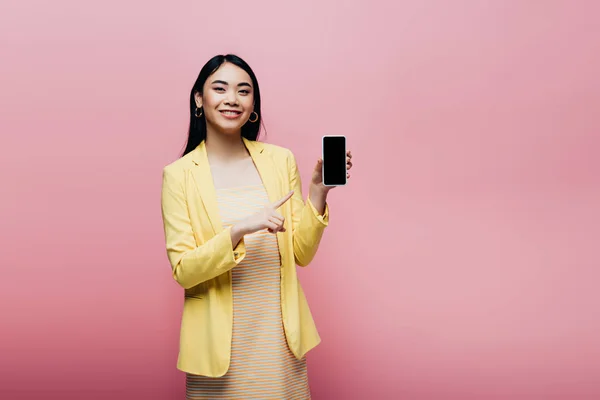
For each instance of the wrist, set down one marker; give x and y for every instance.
(239, 229)
(317, 190)
(318, 198)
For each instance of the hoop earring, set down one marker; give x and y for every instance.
(196, 112)
(256, 119)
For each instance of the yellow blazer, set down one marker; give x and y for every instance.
(202, 255)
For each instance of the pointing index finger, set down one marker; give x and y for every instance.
(285, 198)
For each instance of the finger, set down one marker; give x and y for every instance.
(319, 164)
(274, 228)
(285, 198)
(276, 220)
(281, 228)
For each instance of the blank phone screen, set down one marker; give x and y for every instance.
(334, 160)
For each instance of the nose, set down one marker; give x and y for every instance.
(230, 98)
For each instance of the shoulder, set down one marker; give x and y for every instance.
(279, 154)
(177, 168)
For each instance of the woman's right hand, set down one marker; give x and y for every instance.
(267, 218)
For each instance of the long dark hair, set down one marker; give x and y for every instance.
(197, 130)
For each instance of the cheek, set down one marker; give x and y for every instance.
(247, 102)
(210, 101)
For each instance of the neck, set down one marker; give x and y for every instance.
(225, 147)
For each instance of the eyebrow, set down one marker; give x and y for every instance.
(239, 85)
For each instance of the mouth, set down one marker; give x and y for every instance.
(230, 113)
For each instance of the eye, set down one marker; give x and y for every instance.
(244, 91)
(219, 88)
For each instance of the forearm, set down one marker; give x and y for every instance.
(237, 233)
(191, 263)
(309, 228)
(207, 261)
(309, 217)
(318, 198)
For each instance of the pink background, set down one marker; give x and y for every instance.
(460, 260)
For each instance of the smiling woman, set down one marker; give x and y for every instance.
(236, 225)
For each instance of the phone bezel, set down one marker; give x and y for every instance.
(323, 156)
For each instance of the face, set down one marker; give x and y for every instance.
(228, 99)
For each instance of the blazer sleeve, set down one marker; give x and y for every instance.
(192, 264)
(307, 224)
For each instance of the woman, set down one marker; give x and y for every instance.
(235, 227)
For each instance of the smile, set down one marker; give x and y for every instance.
(231, 114)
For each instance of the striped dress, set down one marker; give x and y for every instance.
(262, 365)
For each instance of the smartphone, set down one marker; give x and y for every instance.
(334, 160)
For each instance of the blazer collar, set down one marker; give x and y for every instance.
(267, 169)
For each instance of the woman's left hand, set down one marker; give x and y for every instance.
(317, 176)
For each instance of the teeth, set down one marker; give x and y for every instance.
(230, 112)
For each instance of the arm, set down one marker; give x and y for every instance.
(308, 224)
(318, 198)
(193, 264)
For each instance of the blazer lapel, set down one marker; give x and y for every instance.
(271, 176)
(267, 169)
(206, 187)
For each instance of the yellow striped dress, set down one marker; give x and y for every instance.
(262, 365)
